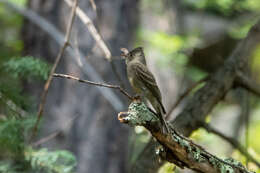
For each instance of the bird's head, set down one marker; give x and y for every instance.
(135, 54)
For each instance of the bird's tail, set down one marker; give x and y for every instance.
(163, 121)
(162, 109)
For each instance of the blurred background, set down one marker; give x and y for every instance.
(184, 41)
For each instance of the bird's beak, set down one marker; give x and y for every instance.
(124, 53)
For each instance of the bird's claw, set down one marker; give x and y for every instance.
(137, 96)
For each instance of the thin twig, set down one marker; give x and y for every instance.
(100, 42)
(80, 61)
(92, 29)
(231, 141)
(93, 4)
(47, 138)
(94, 83)
(55, 133)
(182, 96)
(48, 82)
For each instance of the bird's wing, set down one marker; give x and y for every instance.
(147, 78)
(145, 75)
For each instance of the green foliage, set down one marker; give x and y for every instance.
(16, 155)
(51, 162)
(225, 7)
(254, 131)
(7, 167)
(241, 31)
(10, 91)
(195, 73)
(27, 67)
(167, 168)
(19, 2)
(13, 132)
(11, 137)
(166, 43)
(10, 41)
(15, 69)
(256, 62)
(169, 46)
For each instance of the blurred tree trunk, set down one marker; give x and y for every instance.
(99, 141)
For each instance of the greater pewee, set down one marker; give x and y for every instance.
(143, 81)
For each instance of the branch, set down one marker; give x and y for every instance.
(56, 35)
(94, 83)
(231, 141)
(55, 133)
(184, 95)
(92, 29)
(180, 150)
(247, 83)
(93, 4)
(57, 60)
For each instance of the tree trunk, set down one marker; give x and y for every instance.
(96, 137)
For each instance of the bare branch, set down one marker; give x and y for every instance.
(181, 150)
(95, 83)
(55, 133)
(46, 139)
(57, 60)
(231, 141)
(87, 21)
(248, 83)
(93, 31)
(92, 2)
(182, 96)
(86, 68)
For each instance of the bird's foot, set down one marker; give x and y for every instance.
(137, 98)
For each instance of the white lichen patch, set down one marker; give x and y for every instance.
(139, 114)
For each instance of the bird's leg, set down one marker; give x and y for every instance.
(137, 97)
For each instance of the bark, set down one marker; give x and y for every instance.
(96, 137)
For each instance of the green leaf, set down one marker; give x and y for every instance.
(60, 161)
(27, 67)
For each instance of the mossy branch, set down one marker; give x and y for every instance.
(177, 148)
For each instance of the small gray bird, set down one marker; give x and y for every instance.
(143, 81)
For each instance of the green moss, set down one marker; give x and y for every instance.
(197, 155)
(234, 162)
(139, 114)
(224, 168)
(214, 162)
(196, 152)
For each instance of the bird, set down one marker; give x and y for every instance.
(143, 81)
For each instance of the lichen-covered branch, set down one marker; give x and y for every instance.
(177, 148)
